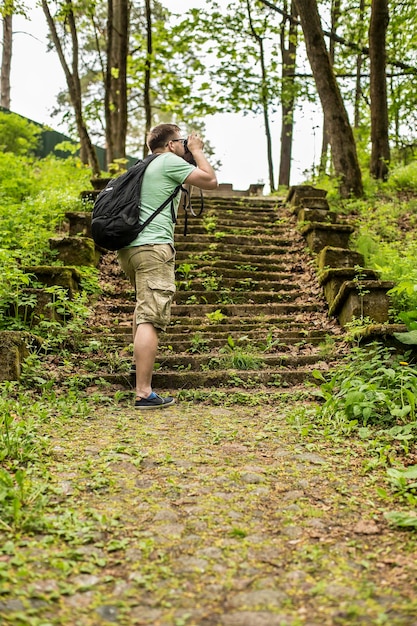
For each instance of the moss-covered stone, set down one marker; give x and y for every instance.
(100, 183)
(14, 348)
(75, 250)
(316, 215)
(36, 305)
(298, 193)
(332, 280)
(319, 235)
(79, 223)
(372, 301)
(334, 257)
(49, 275)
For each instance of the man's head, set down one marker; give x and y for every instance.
(165, 136)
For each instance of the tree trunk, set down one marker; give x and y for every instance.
(87, 151)
(358, 82)
(147, 83)
(335, 14)
(6, 61)
(264, 100)
(341, 138)
(116, 79)
(288, 53)
(380, 155)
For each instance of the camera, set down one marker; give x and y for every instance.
(187, 154)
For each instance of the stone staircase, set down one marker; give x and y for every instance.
(249, 312)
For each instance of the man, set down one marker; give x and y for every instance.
(149, 261)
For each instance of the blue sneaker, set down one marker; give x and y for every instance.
(153, 401)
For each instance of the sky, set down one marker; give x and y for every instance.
(239, 141)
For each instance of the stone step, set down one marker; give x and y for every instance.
(235, 285)
(221, 246)
(243, 241)
(198, 362)
(218, 379)
(245, 205)
(200, 311)
(277, 325)
(288, 326)
(219, 221)
(246, 262)
(235, 297)
(204, 341)
(231, 272)
(252, 229)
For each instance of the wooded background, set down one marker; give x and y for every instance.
(129, 66)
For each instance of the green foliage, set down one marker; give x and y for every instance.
(370, 386)
(21, 498)
(35, 194)
(16, 180)
(385, 224)
(215, 317)
(18, 135)
(404, 178)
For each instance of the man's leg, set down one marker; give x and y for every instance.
(144, 350)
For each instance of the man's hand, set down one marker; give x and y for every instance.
(194, 142)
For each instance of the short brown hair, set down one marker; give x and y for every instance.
(159, 136)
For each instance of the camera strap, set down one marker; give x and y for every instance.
(188, 208)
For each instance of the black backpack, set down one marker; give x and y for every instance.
(115, 217)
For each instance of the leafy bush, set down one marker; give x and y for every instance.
(404, 178)
(16, 176)
(18, 135)
(371, 386)
(34, 197)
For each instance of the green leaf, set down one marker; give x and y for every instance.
(409, 338)
(401, 519)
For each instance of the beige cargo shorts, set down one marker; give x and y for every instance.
(151, 270)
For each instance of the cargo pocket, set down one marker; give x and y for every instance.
(161, 294)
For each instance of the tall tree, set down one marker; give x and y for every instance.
(341, 138)
(288, 41)
(380, 154)
(116, 79)
(334, 13)
(87, 150)
(8, 8)
(147, 105)
(259, 38)
(6, 60)
(359, 65)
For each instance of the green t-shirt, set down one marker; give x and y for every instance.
(161, 177)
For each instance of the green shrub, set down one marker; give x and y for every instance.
(370, 386)
(16, 179)
(18, 135)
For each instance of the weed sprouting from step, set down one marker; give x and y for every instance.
(210, 222)
(198, 344)
(211, 282)
(246, 267)
(215, 317)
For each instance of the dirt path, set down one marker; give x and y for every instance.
(206, 516)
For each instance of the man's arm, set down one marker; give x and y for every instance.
(203, 176)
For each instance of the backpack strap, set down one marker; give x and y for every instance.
(170, 199)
